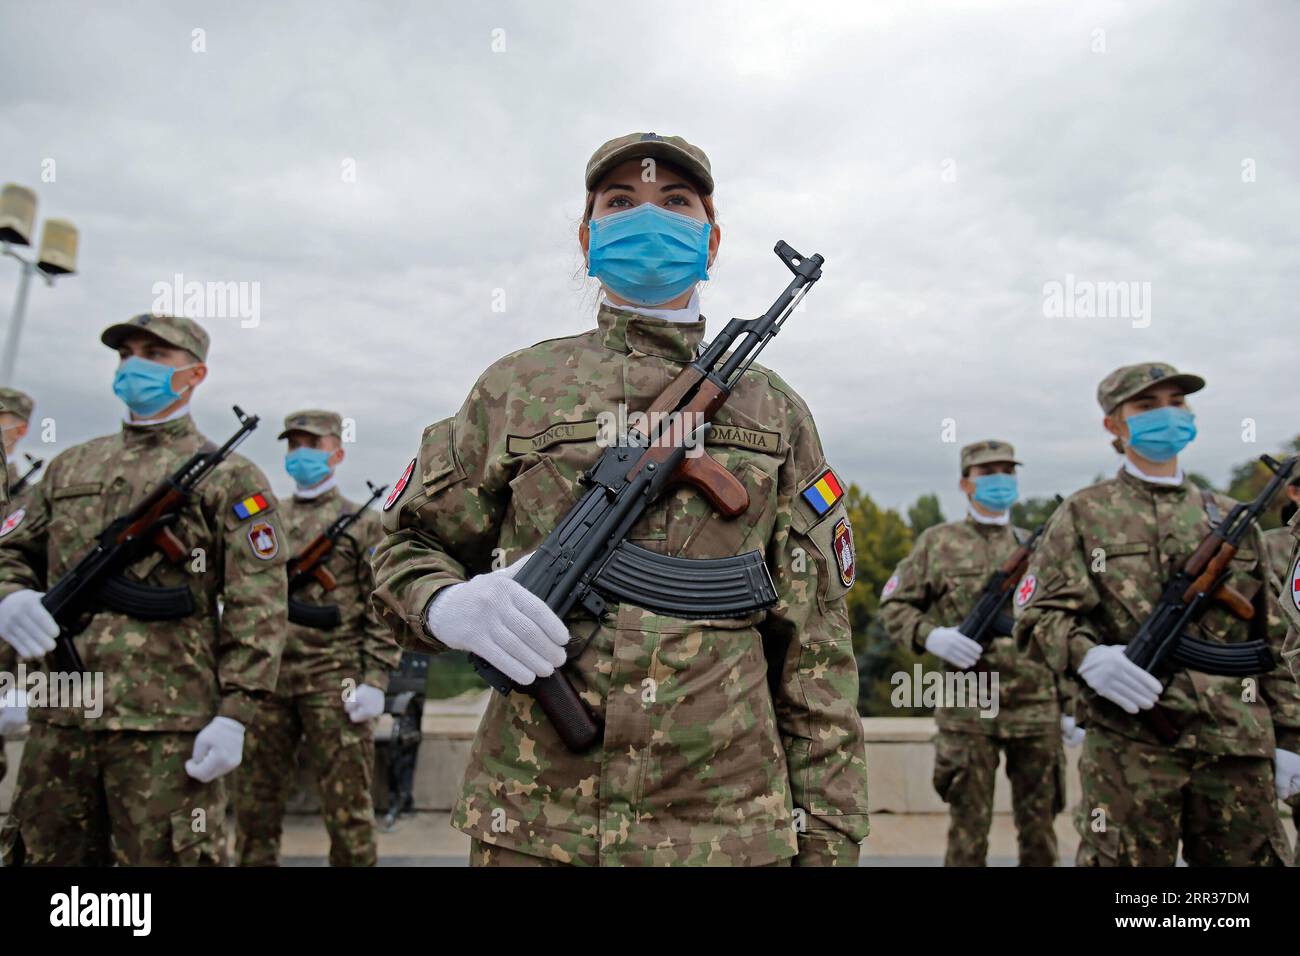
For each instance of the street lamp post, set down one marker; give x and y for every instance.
(57, 256)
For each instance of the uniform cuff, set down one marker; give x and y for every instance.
(426, 591)
(1287, 738)
(1080, 645)
(923, 629)
(826, 848)
(238, 705)
(375, 678)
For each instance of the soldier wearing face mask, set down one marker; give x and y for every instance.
(15, 412)
(1285, 568)
(929, 594)
(1100, 568)
(332, 679)
(725, 741)
(130, 773)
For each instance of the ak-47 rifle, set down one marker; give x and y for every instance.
(34, 465)
(586, 560)
(988, 619)
(1162, 644)
(96, 581)
(309, 565)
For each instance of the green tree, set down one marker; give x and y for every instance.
(1032, 512)
(1248, 479)
(926, 513)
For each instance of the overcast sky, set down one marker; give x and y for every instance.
(950, 161)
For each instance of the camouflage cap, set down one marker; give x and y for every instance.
(1130, 380)
(987, 453)
(173, 329)
(670, 149)
(313, 421)
(16, 402)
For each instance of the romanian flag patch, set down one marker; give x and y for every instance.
(250, 506)
(822, 494)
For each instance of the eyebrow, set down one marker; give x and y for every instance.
(667, 188)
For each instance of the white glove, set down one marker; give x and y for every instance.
(218, 749)
(1286, 773)
(366, 704)
(25, 624)
(502, 622)
(1112, 675)
(953, 646)
(13, 711)
(1071, 733)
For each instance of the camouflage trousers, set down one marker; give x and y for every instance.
(95, 798)
(965, 766)
(485, 854)
(1140, 800)
(340, 754)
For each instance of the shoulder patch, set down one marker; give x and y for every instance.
(399, 486)
(1295, 577)
(262, 538)
(822, 493)
(1025, 590)
(254, 504)
(842, 548)
(890, 586)
(13, 521)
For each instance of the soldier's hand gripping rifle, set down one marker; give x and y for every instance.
(988, 618)
(1162, 644)
(96, 581)
(585, 559)
(33, 466)
(309, 565)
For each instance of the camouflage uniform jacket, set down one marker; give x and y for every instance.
(702, 761)
(360, 647)
(1284, 547)
(937, 585)
(164, 675)
(1097, 573)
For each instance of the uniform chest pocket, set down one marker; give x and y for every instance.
(964, 581)
(695, 530)
(539, 497)
(76, 511)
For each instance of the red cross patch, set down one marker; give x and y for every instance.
(400, 486)
(1025, 593)
(890, 586)
(13, 521)
(1295, 578)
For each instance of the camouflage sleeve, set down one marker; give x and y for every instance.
(254, 592)
(1278, 687)
(442, 523)
(380, 654)
(1051, 625)
(1288, 601)
(906, 598)
(815, 677)
(24, 539)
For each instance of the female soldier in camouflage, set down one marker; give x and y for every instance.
(726, 742)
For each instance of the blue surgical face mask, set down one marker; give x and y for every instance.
(1160, 434)
(648, 255)
(996, 492)
(307, 466)
(145, 386)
